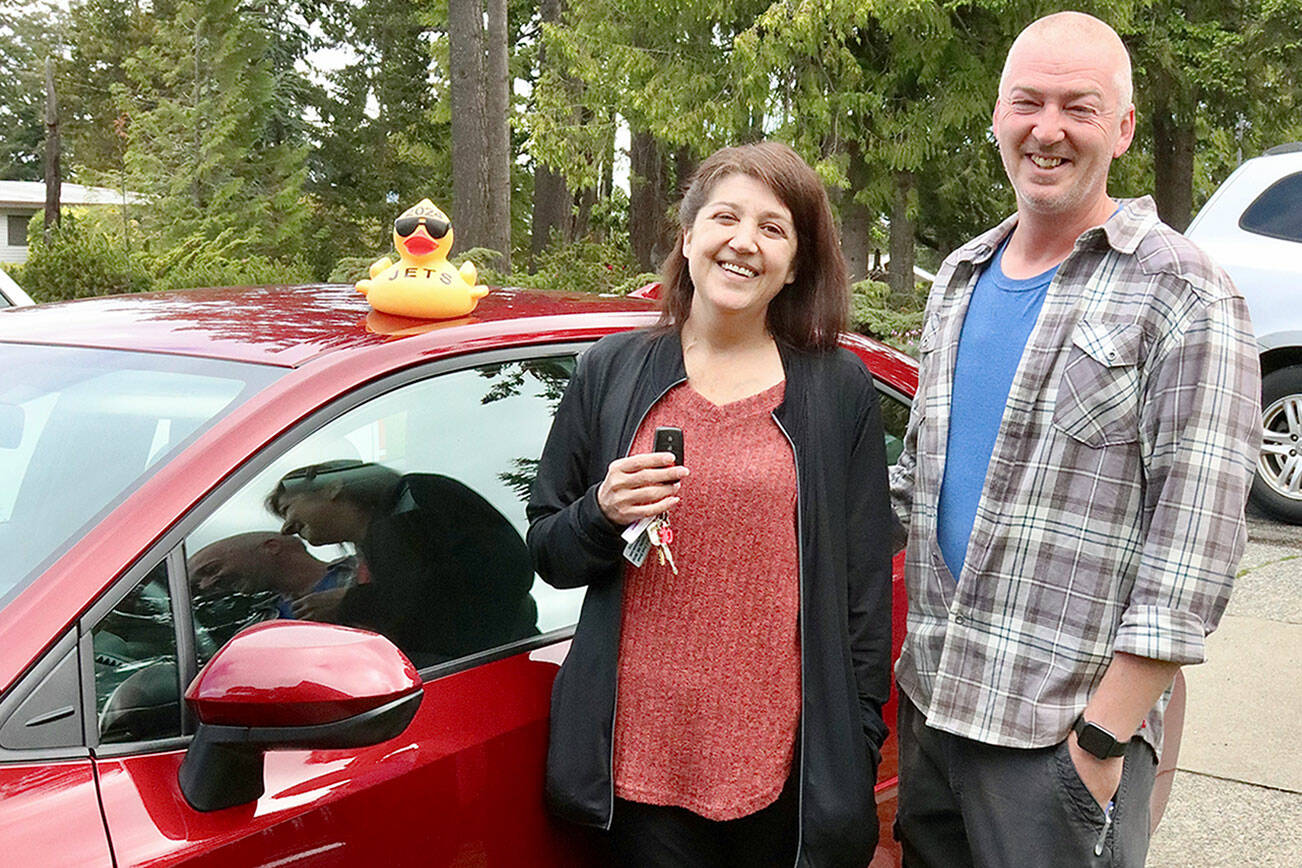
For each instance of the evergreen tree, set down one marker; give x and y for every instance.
(29, 32)
(200, 142)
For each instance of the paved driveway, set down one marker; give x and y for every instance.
(1237, 796)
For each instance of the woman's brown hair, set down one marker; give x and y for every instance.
(811, 311)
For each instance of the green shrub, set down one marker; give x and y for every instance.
(221, 261)
(484, 259)
(871, 314)
(351, 269)
(587, 266)
(78, 260)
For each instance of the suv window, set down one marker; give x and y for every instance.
(1277, 212)
(404, 515)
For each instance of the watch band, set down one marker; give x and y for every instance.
(1096, 740)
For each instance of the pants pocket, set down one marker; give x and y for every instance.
(1080, 801)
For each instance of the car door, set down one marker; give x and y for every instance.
(44, 770)
(463, 783)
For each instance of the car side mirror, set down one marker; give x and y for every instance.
(290, 685)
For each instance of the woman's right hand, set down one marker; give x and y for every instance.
(639, 486)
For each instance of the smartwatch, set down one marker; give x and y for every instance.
(1096, 740)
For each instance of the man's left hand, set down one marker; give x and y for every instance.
(1101, 777)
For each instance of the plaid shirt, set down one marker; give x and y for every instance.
(1112, 513)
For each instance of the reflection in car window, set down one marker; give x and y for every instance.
(137, 695)
(404, 515)
(81, 428)
(895, 419)
(1277, 212)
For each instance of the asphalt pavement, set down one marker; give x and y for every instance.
(1237, 795)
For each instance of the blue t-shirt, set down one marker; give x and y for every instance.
(339, 574)
(999, 320)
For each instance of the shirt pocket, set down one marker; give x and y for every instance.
(1098, 395)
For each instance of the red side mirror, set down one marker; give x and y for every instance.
(290, 684)
(299, 673)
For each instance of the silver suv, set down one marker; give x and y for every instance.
(1252, 226)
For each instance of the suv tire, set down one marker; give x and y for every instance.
(1277, 485)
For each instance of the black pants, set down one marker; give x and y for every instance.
(964, 803)
(654, 836)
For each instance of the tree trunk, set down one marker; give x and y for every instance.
(497, 125)
(466, 66)
(901, 265)
(196, 194)
(856, 220)
(684, 167)
(53, 174)
(553, 203)
(1173, 159)
(647, 200)
(585, 199)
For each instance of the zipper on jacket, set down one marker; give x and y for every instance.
(800, 579)
(614, 706)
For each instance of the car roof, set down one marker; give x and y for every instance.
(288, 325)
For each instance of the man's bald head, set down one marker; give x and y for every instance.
(253, 561)
(1082, 32)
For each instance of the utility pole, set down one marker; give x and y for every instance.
(53, 181)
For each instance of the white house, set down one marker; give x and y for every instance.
(19, 200)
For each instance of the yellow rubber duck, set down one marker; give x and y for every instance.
(422, 283)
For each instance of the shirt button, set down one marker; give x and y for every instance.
(1112, 354)
(958, 619)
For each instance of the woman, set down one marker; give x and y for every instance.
(724, 707)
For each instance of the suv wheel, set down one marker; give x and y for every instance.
(1277, 487)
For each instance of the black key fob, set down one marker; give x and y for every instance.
(670, 440)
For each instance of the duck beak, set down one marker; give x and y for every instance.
(419, 243)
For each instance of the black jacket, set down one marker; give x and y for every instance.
(832, 418)
(449, 573)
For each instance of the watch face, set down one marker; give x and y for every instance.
(1096, 740)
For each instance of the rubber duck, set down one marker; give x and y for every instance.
(422, 283)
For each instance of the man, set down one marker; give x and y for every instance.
(1073, 481)
(267, 561)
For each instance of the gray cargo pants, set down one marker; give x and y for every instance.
(965, 803)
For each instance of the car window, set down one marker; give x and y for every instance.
(895, 420)
(1277, 212)
(404, 515)
(80, 429)
(137, 692)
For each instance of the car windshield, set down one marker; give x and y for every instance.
(80, 429)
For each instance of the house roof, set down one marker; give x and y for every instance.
(31, 194)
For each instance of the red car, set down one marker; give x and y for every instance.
(140, 440)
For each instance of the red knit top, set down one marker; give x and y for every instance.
(709, 660)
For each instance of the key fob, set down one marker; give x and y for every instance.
(669, 440)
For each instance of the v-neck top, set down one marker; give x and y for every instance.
(709, 661)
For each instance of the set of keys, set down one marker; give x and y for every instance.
(642, 536)
(661, 535)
